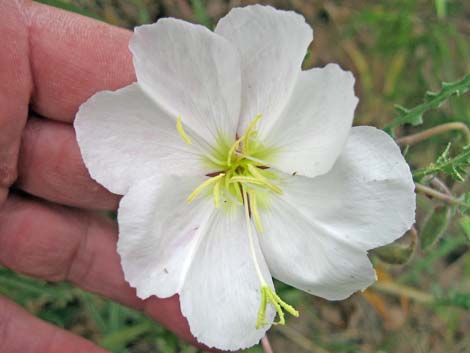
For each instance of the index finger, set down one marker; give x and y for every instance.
(71, 58)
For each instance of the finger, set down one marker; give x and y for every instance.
(21, 332)
(72, 57)
(51, 167)
(55, 244)
(15, 89)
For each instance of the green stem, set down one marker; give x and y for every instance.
(423, 135)
(449, 199)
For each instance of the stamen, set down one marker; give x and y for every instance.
(203, 186)
(256, 181)
(249, 131)
(232, 151)
(183, 134)
(259, 161)
(255, 172)
(216, 193)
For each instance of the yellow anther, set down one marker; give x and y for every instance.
(183, 134)
(268, 296)
(249, 131)
(205, 184)
(232, 151)
(216, 193)
(254, 212)
(256, 181)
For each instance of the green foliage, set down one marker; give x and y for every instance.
(454, 299)
(69, 7)
(394, 254)
(432, 100)
(465, 224)
(455, 167)
(200, 13)
(397, 253)
(434, 226)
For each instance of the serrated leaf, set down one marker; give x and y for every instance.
(432, 100)
(434, 226)
(430, 96)
(456, 167)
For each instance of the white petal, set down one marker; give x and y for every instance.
(221, 294)
(124, 137)
(192, 72)
(158, 233)
(305, 255)
(368, 198)
(314, 126)
(329, 222)
(272, 46)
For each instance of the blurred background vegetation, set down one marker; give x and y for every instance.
(398, 50)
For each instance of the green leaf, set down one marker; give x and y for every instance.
(432, 100)
(434, 226)
(455, 299)
(464, 223)
(397, 253)
(456, 167)
(394, 254)
(117, 339)
(200, 13)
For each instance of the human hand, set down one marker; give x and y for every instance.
(51, 62)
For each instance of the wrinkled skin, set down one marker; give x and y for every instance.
(52, 61)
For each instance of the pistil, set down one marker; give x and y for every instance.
(245, 180)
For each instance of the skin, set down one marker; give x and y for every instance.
(51, 62)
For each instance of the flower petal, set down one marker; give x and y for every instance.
(327, 223)
(303, 254)
(272, 46)
(158, 233)
(221, 294)
(124, 136)
(191, 72)
(314, 126)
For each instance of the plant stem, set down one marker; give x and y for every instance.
(423, 135)
(438, 183)
(266, 345)
(449, 199)
(401, 290)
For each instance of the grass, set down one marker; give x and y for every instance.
(398, 50)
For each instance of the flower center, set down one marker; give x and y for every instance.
(242, 177)
(241, 165)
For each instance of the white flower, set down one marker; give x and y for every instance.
(216, 119)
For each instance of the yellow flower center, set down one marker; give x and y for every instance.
(239, 165)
